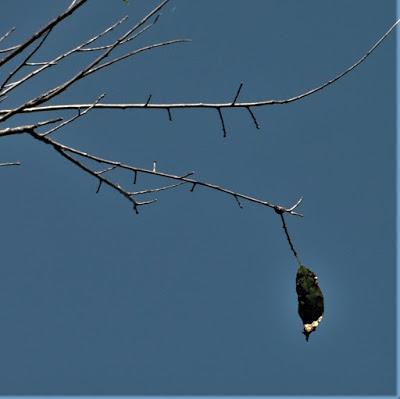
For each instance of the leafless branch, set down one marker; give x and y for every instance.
(221, 118)
(141, 31)
(10, 164)
(218, 106)
(135, 52)
(2, 38)
(169, 115)
(27, 128)
(237, 93)
(156, 190)
(56, 60)
(102, 53)
(8, 33)
(253, 117)
(66, 150)
(68, 121)
(25, 61)
(21, 47)
(285, 228)
(48, 95)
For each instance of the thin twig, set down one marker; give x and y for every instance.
(156, 190)
(217, 106)
(148, 101)
(106, 170)
(66, 149)
(135, 52)
(55, 91)
(237, 94)
(296, 255)
(238, 202)
(60, 57)
(3, 37)
(25, 60)
(68, 121)
(169, 115)
(17, 163)
(130, 38)
(38, 34)
(8, 131)
(221, 118)
(253, 117)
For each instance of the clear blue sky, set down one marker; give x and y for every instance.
(195, 296)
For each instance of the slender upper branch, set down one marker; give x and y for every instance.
(218, 106)
(21, 47)
(55, 91)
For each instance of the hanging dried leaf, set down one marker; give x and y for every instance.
(310, 298)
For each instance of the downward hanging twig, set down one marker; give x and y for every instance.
(286, 230)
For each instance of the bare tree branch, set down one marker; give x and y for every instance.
(218, 106)
(21, 47)
(68, 121)
(64, 150)
(46, 96)
(80, 158)
(17, 163)
(56, 60)
(25, 61)
(124, 41)
(286, 230)
(135, 52)
(2, 38)
(26, 128)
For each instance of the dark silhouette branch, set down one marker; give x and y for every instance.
(286, 230)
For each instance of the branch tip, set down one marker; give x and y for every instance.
(238, 201)
(148, 101)
(253, 117)
(99, 186)
(237, 94)
(222, 121)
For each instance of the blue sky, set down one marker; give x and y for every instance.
(195, 296)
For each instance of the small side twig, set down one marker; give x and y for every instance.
(238, 201)
(222, 121)
(99, 186)
(156, 190)
(106, 170)
(253, 117)
(70, 120)
(237, 94)
(24, 62)
(17, 163)
(169, 115)
(148, 101)
(8, 33)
